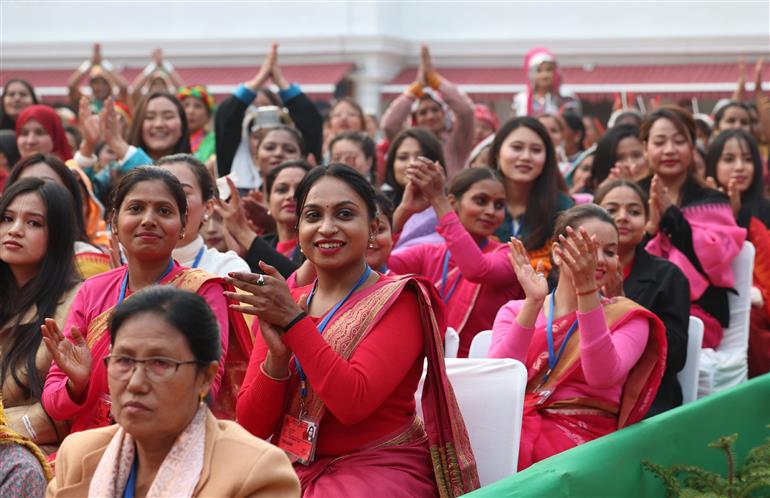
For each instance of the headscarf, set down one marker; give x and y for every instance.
(9, 436)
(483, 113)
(243, 171)
(199, 92)
(532, 61)
(434, 95)
(50, 121)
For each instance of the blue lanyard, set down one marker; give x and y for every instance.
(445, 272)
(130, 489)
(553, 359)
(198, 257)
(325, 321)
(124, 284)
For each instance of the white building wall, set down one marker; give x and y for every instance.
(381, 37)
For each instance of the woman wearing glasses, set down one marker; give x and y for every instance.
(163, 361)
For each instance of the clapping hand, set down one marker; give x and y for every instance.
(532, 281)
(578, 253)
(72, 357)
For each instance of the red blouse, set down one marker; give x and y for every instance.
(368, 397)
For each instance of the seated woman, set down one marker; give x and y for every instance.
(199, 107)
(734, 165)
(17, 95)
(348, 412)
(535, 191)
(619, 155)
(355, 149)
(38, 279)
(24, 470)
(430, 111)
(691, 225)
(414, 227)
(90, 257)
(587, 384)
(40, 131)
(159, 128)
(345, 116)
(652, 282)
(166, 442)
(199, 189)
(149, 213)
(470, 268)
(279, 249)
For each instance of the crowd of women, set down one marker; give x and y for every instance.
(180, 282)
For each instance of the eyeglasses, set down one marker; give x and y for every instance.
(157, 368)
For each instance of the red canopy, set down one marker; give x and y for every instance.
(594, 83)
(318, 80)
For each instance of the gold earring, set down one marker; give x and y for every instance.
(201, 398)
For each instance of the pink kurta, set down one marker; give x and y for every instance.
(605, 359)
(97, 295)
(490, 269)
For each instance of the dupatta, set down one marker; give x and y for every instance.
(643, 380)
(451, 454)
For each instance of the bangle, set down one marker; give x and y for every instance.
(264, 372)
(28, 426)
(433, 79)
(296, 319)
(415, 89)
(168, 67)
(85, 66)
(586, 293)
(107, 65)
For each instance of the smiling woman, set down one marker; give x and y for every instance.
(612, 352)
(149, 217)
(353, 395)
(470, 269)
(166, 442)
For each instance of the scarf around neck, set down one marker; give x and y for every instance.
(177, 476)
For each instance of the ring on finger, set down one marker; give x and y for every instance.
(261, 280)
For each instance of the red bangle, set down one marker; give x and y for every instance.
(592, 291)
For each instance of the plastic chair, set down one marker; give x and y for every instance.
(451, 343)
(480, 344)
(490, 393)
(688, 376)
(727, 365)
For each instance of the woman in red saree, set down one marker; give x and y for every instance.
(332, 377)
(594, 365)
(470, 268)
(149, 219)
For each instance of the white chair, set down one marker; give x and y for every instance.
(451, 343)
(490, 393)
(688, 376)
(727, 365)
(480, 344)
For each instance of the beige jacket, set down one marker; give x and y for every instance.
(235, 464)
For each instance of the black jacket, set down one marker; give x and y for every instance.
(661, 287)
(677, 228)
(228, 122)
(263, 249)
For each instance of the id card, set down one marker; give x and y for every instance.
(298, 439)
